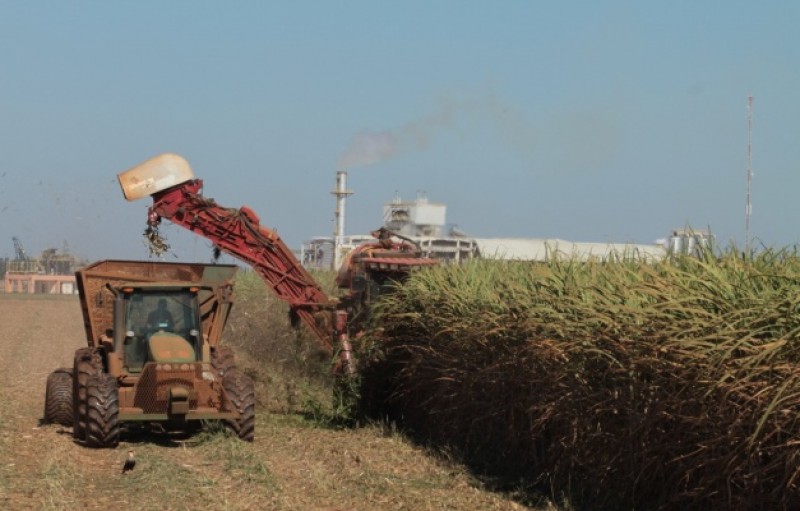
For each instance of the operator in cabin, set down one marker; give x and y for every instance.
(160, 319)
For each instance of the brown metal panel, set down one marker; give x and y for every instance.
(98, 282)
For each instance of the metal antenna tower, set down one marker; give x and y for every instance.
(19, 250)
(748, 207)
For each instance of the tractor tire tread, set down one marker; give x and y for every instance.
(87, 363)
(102, 420)
(239, 390)
(58, 398)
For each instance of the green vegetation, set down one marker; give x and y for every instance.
(290, 366)
(618, 385)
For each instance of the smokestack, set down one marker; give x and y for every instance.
(341, 192)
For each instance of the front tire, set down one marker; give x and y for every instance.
(58, 398)
(87, 363)
(240, 392)
(102, 419)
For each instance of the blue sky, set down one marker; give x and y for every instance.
(587, 121)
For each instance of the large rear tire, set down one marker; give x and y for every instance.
(240, 393)
(87, 363)
(58, 398)
(222, 359)
(102, 419)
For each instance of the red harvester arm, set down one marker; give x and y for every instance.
(238, 233)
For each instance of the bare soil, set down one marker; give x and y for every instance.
(294, 464)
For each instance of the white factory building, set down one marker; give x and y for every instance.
(425, 223)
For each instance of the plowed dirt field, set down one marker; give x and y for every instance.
(294, 464)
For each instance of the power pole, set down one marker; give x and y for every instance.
(748, 207)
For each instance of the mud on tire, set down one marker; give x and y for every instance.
(240, 393)
(222, 359)
(102, 418)
(58, 398)
(86, 364)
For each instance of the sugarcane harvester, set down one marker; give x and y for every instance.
(366, 272)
